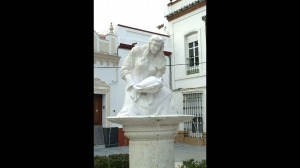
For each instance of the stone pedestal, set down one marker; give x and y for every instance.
(151, 141)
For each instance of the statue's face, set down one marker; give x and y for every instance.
(155, 46)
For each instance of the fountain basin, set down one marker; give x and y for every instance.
(151, 142)
(150, 119)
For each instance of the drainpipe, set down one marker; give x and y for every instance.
(115, 81)
(204, 19)
(170, 77)
(117, 68)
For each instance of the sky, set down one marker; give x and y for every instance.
(141, 14)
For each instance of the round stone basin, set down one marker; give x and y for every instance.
(150, 119)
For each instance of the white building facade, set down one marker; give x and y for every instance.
(186, 27)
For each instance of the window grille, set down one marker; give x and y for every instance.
(192, 105)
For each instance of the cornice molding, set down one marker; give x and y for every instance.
(186, 9)
(172, 3)
(106, 58)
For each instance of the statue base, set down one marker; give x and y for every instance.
(151, 141)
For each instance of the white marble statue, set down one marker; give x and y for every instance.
(145, 92)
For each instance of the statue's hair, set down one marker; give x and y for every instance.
(156, 38)
(159, 56)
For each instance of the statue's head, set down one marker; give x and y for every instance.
(156, 44)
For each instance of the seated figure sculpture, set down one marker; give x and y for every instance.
(145, 92)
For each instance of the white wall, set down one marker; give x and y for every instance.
(117, 96)
(113, 43)
(129, 36)
(110, 75)
(96, 42)
(177, 29)
(107, 75)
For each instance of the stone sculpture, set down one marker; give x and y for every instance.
(145, 92)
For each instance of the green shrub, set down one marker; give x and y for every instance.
(191, 163)
(112, 161)
(122, 161)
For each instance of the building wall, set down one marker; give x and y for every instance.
(178, 29)
(104, 46)
(130, 35)
(106, 69)
(118, 94)
(96, 42)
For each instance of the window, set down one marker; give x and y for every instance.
(192, 105)
(192, 54)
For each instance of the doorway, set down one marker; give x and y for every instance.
(98, 130)
(97, 109)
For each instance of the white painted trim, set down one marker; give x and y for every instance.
(191, 76)
(188, 15)
(188, 91)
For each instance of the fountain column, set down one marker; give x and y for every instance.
(151, 141)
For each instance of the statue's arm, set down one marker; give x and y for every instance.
(127, 67)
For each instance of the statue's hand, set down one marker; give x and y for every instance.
(130, 81)
(130, 86)
(137, 90)
(135, 93)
